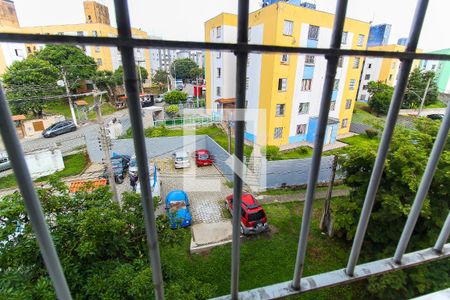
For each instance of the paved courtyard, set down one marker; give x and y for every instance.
(205, 187)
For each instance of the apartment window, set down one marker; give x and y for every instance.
(94, 33)
(369, 66)
(219, 72)
(18, 52)
(218, 91)
(303, 108)
(336, 84)
(356, 62)
(218, 31)
(344, 123)
(393, 65)
(367, 77)
(348, 103)
(278, 133)
(390, 76)
(301, 129)
(340, 62)
(80, 33)
(332, 105)
(284, 58)
(282, 84)
(28, 50)
(360, 39)
(310, 60)
(288, 27)
(365, 87)
(362, 97)
(280, 110)
(97, 49)
(344, 37)
(433, 67)
(352, 84)
(99, 61)
(313, 32)
(306, 84)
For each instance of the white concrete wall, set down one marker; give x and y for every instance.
(29, 128)
(9, 52)
(44, 162)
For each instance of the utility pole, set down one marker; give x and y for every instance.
(424, 96)
(72, 111)
(325, 221)
(140, 75)
(105, 143)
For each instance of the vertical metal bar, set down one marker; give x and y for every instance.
(425, 183)
(241, 74)
(134, 108)
(332, 63)
(443, 236)
(394, 108)
(31, 200)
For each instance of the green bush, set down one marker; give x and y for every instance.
(271, 152)
(302, 149)
(172, 110)
(371, 133)
(175, 97)
(156, 131)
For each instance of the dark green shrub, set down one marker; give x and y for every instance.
(371, 133)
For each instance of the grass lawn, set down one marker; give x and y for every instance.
(361, 139)
(363, 116)
(270, 257)
(74, 165)
(61, 107)
(438, 104)
(290, 190)
(302, 152)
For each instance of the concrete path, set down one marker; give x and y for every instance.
(300, 196)
(424, 112)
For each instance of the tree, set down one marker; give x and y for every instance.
(70, 60)
(196, 73)
(175, 97)
(27, 82)
(182, 68)
(118, 74)
(160, 77)
(415, 89)
(102, 248)
(404, 167)
(105, 80)
(380, 97)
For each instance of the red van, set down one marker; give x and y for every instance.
(203, 158)
(253, 216)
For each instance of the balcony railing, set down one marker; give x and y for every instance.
(241, 49)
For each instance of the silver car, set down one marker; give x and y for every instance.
(4, 163)
(181, 160)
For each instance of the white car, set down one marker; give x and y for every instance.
(181, 160)
(159, 99)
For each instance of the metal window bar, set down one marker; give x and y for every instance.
(328, 85)
(425, 183)
(241, 48)
(386, 137)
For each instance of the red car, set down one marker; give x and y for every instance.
(203, 158)
(253, 217)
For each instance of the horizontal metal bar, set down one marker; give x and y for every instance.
(339, 277)
(170, 44)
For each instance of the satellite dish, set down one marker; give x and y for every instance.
(60, 83)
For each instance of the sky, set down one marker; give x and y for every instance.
(184, 20)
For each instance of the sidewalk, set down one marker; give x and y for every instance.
(300, 196)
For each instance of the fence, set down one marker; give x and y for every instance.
(241, 49)
(189, 120)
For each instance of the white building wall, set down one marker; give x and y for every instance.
(13, 52)
(372, 67)
(227, 64)
(254, 81)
